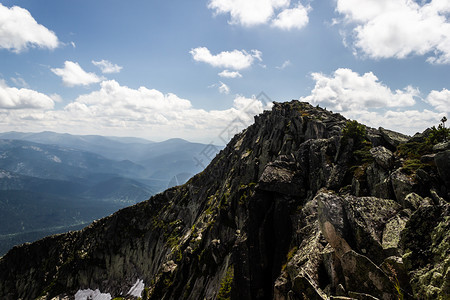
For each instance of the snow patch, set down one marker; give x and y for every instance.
(91, 295)
(137, 288)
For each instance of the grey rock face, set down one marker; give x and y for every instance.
(393, 138)
(441, 146)
(282, 176)
(383, 157)
(402, 185)
(274, 216)
(442, 161)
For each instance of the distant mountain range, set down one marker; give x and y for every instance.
(51, 182)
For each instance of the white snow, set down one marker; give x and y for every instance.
(91, 295)
(137, 288)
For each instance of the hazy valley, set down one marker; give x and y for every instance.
(51, 183)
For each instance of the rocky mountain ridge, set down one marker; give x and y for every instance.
(303, 204)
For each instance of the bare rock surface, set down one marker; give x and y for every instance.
(291, 209)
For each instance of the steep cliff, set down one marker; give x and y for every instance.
(303, 204)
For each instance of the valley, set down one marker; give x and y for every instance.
(52, 183)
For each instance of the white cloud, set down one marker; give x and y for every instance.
(13, 98)
(293, 18)
(248, 12)
(56, 97)
(278, 13)
(107, 67)
(230, 74)
(20, 31)
(72, 74)
(398, 28)
(346, 90)
(285, 64)
(223, 88)
(236, 60)
(440, 100)
(408, 121)
(119, 110)
(366, 99)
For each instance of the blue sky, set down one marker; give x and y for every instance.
(192, 69)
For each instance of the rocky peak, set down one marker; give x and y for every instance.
(303, 204)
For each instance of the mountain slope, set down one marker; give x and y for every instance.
(109, 147)
(302, 204)
(154, 163)
(54, 162)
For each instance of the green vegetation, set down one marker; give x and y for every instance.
(412, 151)
(245, 190)
(438, 135)
(393, 278)
(361, 147)
(224, 201)
(354, 130)
(226, 285)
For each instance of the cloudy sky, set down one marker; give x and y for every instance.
(196, 69)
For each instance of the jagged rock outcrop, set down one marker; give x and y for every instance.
(300, 205)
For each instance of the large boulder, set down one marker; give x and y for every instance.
(392, 230)
(378, 182)
(332, 221)
(441, 147)
(367, 217)
(392, 138)
(402, 185)
(426, 245)
(442, 160)
(363, 276)
(383, 157)
(281, 176)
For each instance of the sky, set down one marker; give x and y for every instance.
(200, 70)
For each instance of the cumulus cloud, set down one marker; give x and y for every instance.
(399, 28)
(72, 74)
(13, 98)
(279, 13)
(293, 18)
(346, 90)
(107, 67)
(230, 74)
(114, 109)
(236, 59)
(407, 121)
(20, 31)
(440, 100)
(223, 88)
(249, 12)
(366, 99)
